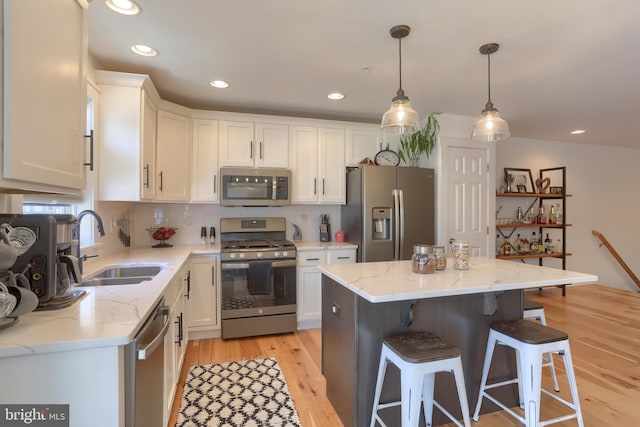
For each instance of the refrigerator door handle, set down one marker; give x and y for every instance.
(401, 235)
(396, 224)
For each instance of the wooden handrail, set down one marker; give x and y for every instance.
(617, 256)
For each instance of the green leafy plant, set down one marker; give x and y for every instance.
(421, 141)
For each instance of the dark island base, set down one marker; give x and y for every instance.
(352, 334)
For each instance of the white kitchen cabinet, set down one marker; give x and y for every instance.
(310, 281)
(363, 141)
(204, 161)
(253, 144)
(127, 136)
(318, 165)
(203, 307)
(45, 75)
(173, 157)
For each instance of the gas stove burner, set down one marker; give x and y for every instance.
(237, 245)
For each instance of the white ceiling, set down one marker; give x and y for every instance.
(562, 65)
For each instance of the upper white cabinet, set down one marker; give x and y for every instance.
(173, 156)
(204, 161)
(317, 165)
(44, 70)
(362, 142)
(127, 136)
(253, 144)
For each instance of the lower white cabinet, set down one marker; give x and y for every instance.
(310, 281)
(175, 342)
(203, 307)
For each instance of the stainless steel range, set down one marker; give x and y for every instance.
(258, 267)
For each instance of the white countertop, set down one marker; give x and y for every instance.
(394, 280)
(107, 315)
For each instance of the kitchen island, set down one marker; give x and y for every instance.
(362, 303)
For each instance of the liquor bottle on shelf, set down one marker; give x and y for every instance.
(533, 245)
(553, 216)
(498, 245)
(559, 214)
(532, 216)
(524, 245)
(542, 219)
(506, 247)
(547, 244)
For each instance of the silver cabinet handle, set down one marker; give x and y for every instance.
(215, 184)
(90, 136)
(161, 180)
(313, 259)
(261, 153)
(335, 308)
(251, 149)
(146, 173)
(315, 186)
(323, 186)
(213, 275)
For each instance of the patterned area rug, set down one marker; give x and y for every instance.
(246, 393)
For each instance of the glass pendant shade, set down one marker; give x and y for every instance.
(490, 127)
(401, 116)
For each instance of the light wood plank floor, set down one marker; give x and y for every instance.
(604, 331)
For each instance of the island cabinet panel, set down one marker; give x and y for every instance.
(353, 330)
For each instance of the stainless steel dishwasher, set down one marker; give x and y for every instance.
(144, 371)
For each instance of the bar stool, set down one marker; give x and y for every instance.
(419, 355)
(535, 310)
(531, 341)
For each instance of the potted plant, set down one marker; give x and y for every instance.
(421, 141)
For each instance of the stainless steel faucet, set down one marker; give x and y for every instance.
(100, 227)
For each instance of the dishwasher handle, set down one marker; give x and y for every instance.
(145, 352)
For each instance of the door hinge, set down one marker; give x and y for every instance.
(488, 168)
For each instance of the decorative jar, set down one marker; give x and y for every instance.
(423, 260)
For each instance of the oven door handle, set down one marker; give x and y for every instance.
(245, 265)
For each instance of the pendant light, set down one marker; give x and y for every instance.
(400, 116)
(490, 127)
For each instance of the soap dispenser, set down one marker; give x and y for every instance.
(297, 234)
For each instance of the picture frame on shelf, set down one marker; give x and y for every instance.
(555, 190)
(521, 177)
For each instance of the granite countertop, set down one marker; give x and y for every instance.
(394, 280)
(107, 315)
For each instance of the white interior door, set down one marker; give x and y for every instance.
(467, 197)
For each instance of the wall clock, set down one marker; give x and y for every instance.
(387, 158)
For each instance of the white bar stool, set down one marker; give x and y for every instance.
(419, 355)
(531, 341)
(535, 311)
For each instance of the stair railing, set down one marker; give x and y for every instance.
(616, 256)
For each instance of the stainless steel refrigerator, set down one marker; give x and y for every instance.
(388, 210)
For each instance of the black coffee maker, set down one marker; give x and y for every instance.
(50, 264)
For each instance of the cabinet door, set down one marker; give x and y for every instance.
(173, 153)
(271, 145)
(148, 151)
(45, 68)
(304, 164)
(310, 288)
(236, 144)
(203, 301)
(362, 143)
(332, 186)
(341, 256)
(204, 182)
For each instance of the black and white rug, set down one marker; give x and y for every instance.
(246, 393)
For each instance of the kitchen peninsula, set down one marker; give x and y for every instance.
(362, 303)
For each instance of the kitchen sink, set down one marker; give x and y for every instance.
(107, 281)
(122, 275)
(129, 271)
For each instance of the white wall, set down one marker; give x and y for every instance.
(603, 182)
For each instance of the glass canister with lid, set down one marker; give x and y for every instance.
(460, 253)
(441, 260)
(423, 260)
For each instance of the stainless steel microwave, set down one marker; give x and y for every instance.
(254, 187)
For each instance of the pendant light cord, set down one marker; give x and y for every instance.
(400, 60)
(489, 75)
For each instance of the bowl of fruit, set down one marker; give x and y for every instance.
(162, 234)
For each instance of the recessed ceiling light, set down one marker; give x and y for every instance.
(125, 7)
(335, 95)
(144, 50)
(219, 84)
(578, 132)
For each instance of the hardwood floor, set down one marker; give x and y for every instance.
(604, 331)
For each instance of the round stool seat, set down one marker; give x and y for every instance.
(532, 305)
(529, 332)
(418, 347)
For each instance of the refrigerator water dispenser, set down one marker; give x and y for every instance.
(381, 223)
